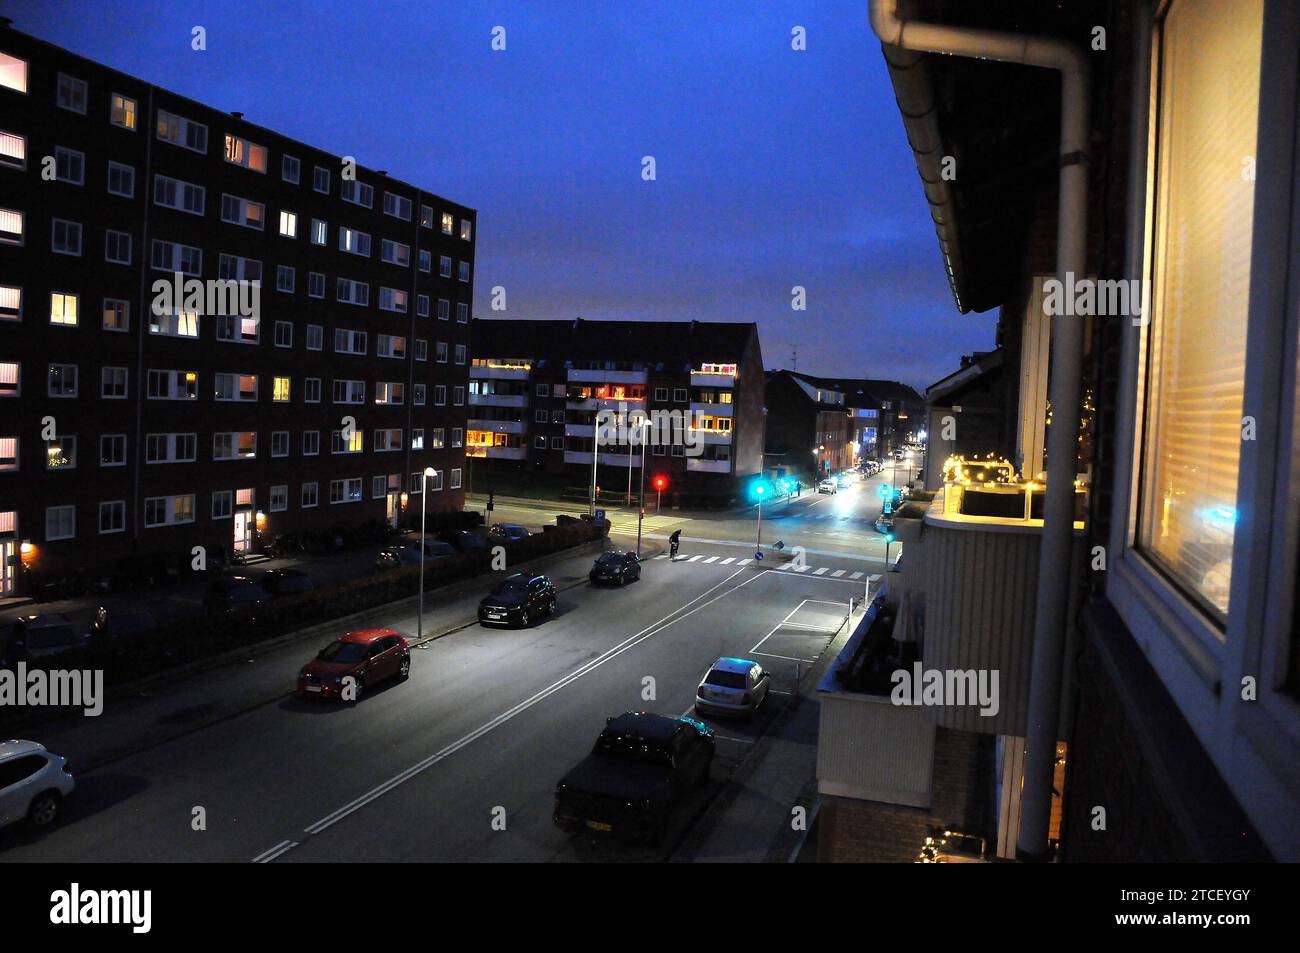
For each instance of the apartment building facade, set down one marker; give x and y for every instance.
(537, 389)
(808, 427)
(210, 334)
(1163, 712)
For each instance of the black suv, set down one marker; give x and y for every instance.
(641, 767)
(621, 568)
(517, 600)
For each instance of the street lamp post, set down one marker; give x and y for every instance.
(758, 538)
(640, 513)
(424, 507)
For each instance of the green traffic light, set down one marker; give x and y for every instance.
(889, 537)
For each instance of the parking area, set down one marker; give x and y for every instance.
(803, 634)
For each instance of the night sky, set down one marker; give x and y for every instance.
(774, 167)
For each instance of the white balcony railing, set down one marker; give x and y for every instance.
(711, 410)
(498, 400)
(487, 373)
(700, 465)
(606, 377)
(497, 426)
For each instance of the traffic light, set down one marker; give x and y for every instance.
(660, 483)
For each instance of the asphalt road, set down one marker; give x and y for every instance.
(460, 761)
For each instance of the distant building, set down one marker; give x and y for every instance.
(134, 425)
(885, 415)
(808, 427)
(972, 412)
(537, 389)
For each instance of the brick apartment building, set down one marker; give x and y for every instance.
(127, 433)
(808, 428)
(536, 388)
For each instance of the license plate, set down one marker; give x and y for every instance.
(313, 688)
(600, 826)
(494, 615)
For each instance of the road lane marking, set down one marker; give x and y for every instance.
(711, 559)
(380, 790)
(837, 573)
(856, 575)
(820, 572)
(267, 856)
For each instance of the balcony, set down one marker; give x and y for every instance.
(711, 410)
(506, 372)
(497, 426)
(700, 465)
(712, 379)
(498, 400)
(606, 377)
(499, 453)
(579, 430)
(712, 438)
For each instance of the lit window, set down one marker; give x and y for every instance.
(63, 309)
(448, 223)
(13, 73)
(243, 212)
(182, 132)
(288, 224)
(10, 379)
(121, 111)
(280, 389)
(13, 150)
(11, 226)
(466, 229)
(240, 151)
(1204, 122)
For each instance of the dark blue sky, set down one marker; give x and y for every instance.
(775, 167)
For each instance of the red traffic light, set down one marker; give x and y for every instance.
(661, 483)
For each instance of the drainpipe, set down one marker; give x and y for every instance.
(1066, 359)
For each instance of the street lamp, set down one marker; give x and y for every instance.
(424, 507)
(640, 515)
(758, 538)
(889, 538)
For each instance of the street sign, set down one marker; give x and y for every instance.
(758, 556)
(600, 516)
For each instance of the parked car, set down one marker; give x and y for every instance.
(42, 635)
(827, 486)
(234, 595)
(733, 686)
(408, 554)
(369, 656)
(884, 523)
(509, 531)
(286, 582)
(33, 784)
(844, 479)
(621, 568)
(642, 766)
(517, 600)
(465, 540)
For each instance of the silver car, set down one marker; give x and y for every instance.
(33, 783)
(733, 686)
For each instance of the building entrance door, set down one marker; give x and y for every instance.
(8, 568)
(394, 508)
(244, 531)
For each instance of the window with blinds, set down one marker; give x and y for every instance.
(1205, 119)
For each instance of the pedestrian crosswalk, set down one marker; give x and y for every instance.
(794, 567)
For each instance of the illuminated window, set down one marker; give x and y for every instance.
(10, 379)
(178, 324)
(1204, 122)
(280, 389)
(13, 73)
(243, 212)
(13, 150)
(182, 132)
(288, 224)
(63, 309)
(121, 111)
(448, 223)
(241, 152)
(349, 443)
(11, 226)
(61, 453)
(466, 229)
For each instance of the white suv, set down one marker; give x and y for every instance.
(33, 783)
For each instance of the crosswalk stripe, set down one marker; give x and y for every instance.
(662, 556)
(874, 577)
(800, 568)
(712, 559)
(822, 571)
(693, 558)
(729, 559)
(744, 562)
(856, 575)
(837, 573)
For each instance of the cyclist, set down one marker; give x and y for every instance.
(673, 542)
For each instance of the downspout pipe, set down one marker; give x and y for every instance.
(1066, 372)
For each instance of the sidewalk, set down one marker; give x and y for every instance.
(751, 819)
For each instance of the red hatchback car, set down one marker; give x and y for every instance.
(369, 656)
